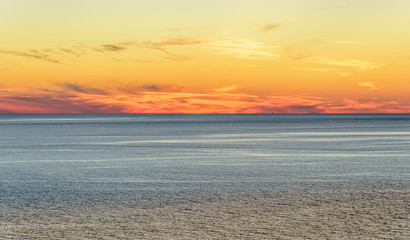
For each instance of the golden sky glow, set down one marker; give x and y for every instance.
(204, 56)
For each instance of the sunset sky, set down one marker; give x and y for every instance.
(204, 56)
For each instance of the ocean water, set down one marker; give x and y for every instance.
(66, 162)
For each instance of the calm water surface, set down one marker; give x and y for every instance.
(59, 159)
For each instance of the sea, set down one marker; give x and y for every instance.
(56, 164)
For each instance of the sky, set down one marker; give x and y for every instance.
(204, 56)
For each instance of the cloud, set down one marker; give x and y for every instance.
(268, 27)
(140, 89)
(244, 48)
(354, 63)
(341, 67)
(152, 87)
(240, 48)
(173, 42)
(162, 46)
(81, 89)
(365, 106)
(61, 54)
(226, 89)
(158, 98)
(53, 55)
(35, 54)
(151, 98)
(37, 101)
(162, 102)
(369, 85)
(73, 51)
(343, 74)
(112, 47)
(161, 88)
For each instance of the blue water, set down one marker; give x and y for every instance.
(61, 158)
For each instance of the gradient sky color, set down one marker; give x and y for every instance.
(204, 56)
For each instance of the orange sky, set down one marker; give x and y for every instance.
(204, 56)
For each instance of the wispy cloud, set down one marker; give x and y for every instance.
(354, 63)
(74, 87)
(244, 48)
(77, 52)
(369, 85)
(240, 48)
(268, 27)
(34, 54)
(161, 88)
(113, 51)
(161, 45)
(112, 47)
(150, 87)
(52, 55)
(225, 89)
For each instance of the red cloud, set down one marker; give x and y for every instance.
(166, 99)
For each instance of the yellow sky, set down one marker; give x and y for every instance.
(204, 56)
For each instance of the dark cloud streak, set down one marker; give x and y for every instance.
(74, 51)
(114, 48)
(78, 50)
(51, 104)
(139, 89)
(36, 54)
(82, 89)
(162, 45)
